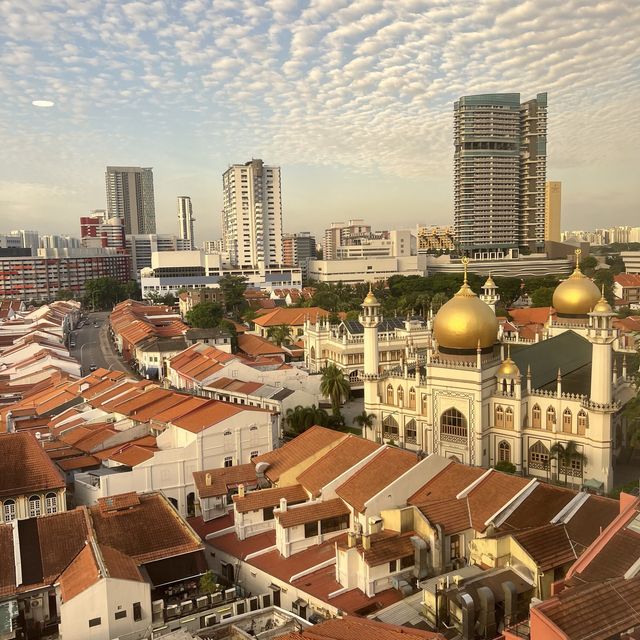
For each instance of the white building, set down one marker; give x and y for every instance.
(365, 269)
(252, 214)
(185, 221)
(170, 271)
(466, 399)
(631, 261)
(141, 247)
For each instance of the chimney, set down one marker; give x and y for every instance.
(207, 479)
(283, 504)
(241, 490)
(351, 539)
(366, 541)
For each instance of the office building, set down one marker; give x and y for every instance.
(130, 197)
(54, 270)
(59, 242)
(252, 214)
(500, 174)
(10, 241)
(97, 230)
(140, 247)
(552, 211)
(185, 221)
(340, 234)
(297, 248)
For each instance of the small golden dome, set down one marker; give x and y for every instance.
(576, 295)
(508, 369)
(489, 283)
(602, 306)
(370, 299)
(465, 322)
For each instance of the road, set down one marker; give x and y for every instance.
(96, 350)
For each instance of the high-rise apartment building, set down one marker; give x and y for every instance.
(252, 214)
(98, 230)
(552, 211)
(130, 197)
(500, 161)
(185, 221)
(339, 234)
(297, 248)
(29, 239)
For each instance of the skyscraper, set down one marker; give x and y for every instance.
(185, 221)
(130, 197)
(500, 161)
(552, 210)
(252, 214)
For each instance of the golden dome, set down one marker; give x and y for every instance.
(576, 295)
(489, 283)
(508, 369)
(370, 299)
(602, 306)
(464, 322)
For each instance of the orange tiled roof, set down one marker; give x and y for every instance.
(254, 345)
(223, 478)
(291, 316)
(255, 500)
(627, 279)
(375, 476)
(531, 315)
(297, 450)
(213, 412)
(312, 512)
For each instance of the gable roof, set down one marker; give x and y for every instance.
(26, 466)
(549, 546)
(291, 316)
(312, 512)
(297, 450)
(374, 476)
(223, 478)
(255, 500)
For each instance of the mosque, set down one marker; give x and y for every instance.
(470, 397)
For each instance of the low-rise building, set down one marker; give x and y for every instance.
(359, 270)
(626, 288)
(294, 318)
(191, 297)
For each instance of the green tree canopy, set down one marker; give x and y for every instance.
(335, 386)
(233, 288)
(103, 293)
(565, 454)
(280, 334)
(301, 418)
(205, 315)
(542, 297)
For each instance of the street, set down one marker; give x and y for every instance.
(92, 344)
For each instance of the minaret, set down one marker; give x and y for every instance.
(601, 335)
(490, 293)
(370, 319)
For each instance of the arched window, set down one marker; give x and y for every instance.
(390, 428)
(499, 416)
(51, 503)
(410, 432)
(508, 418)
(453, 425)
(389, 394)
(400, 397)
(425, 404)
(454, 458)
(312, 353)
(35, 506)
(9, 510)
(551, 418)
(412, 398)
(567, 420)
(583, 422)
(538, 456)
(504, 451)
(536, 416)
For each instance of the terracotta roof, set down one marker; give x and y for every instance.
(7, 561)
(598, 612)
(341, 458)
(297, 450)
(387, 546)
(82, 573)
(223, 478)
(290, 316)
(80, 462)
(549, 546)
(209, 414)
(531, 315)
(312, 512)
(255, 500)
(627, 279)
(374, 476)
(147, 531)
(26, 466)
(254, 345)
(133, 455)
(447, 484)
(357, 628)
(231, 544)
(591, 519)
(451, 514)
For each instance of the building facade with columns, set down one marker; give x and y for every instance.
(466, 396)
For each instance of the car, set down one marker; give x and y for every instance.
(93, 367)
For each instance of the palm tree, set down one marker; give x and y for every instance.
(423, 300)
(364, 420)
(300, 418)
(279, 334)
(334, 386)
(565, 454)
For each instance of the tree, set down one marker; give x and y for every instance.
(301, 418)
(102, 293)
(438, 300)
(588, 265)
(365, 421)
(131, 290)
(65, 294)
(334, 386)
(208, 582)
(233, 288)
(505, 466)
(205, 315)
(542, 297)
(565, 454)
(279, 334)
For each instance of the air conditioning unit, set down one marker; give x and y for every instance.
(186, 606)
(157, 606)
(229, 594)
(172, 611)
(202, 602)
(239, 607)
(35, 602)
(209, 621)
(253, 603)
(217, 598)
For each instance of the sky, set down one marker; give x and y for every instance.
(353, 99)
